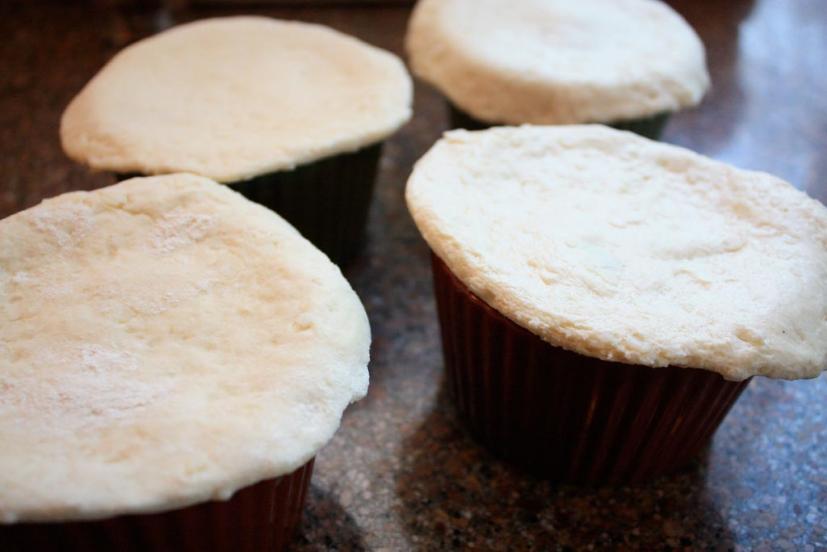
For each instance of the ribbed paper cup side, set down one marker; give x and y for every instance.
(327, 200)
(648, 127)
(261, 517)
(566, 416)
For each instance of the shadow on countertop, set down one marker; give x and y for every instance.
(454, 495)
(326, 526)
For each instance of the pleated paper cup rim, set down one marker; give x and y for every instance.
(260, 517)
(563, 415)
(649, 127)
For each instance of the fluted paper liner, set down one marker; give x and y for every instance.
(648, 127)
(566, 416)
(259, 518)
(327, 200)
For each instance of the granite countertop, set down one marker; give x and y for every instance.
(401, 474)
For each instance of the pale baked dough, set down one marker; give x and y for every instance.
(164, 342)
(624, 249)
(558, 61)
(233, 98)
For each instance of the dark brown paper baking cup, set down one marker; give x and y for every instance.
(327, 200)
(261, 517)
(649, 127)
(567, 416)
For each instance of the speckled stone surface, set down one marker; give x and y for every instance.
(401, 474)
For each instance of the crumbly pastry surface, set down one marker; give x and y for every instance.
(233, 98)
(164, 342)
(558, 61)
(624, 249)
